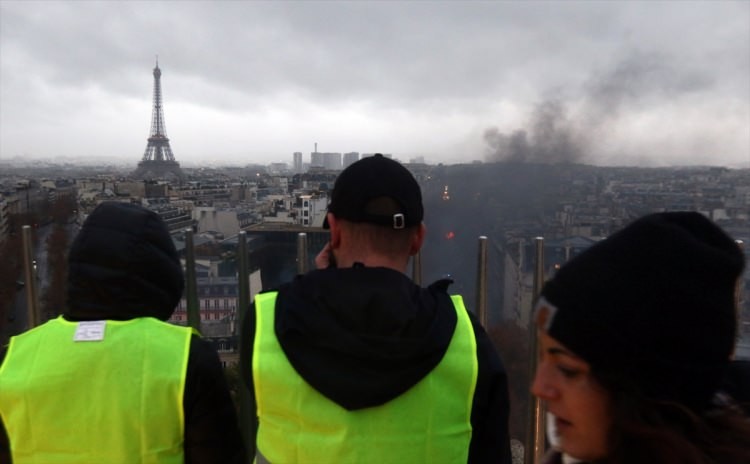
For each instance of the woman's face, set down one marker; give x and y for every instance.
(580, 405)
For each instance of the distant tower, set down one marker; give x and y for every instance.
(158, 161)
(297, 162)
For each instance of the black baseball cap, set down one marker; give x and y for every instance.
(377, 190)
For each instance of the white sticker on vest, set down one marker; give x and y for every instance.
(90, 331)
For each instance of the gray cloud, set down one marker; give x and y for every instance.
(264, 79)
(642, 79)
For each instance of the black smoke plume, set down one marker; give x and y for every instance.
(551, 139)
(633, 84)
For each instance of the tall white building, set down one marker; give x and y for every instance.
(350, 158)
(297, 162)
(328, 161)
(313, 209)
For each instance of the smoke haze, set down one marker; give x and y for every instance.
(569, 129)
(551, 139)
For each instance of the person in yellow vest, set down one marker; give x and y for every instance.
(354, 363)
(110, 381)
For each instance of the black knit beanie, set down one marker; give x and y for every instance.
(654, 302)
(123, 264)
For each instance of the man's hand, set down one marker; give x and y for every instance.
(325, 258)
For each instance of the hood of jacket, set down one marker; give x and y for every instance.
(122, 265)
(362, 336)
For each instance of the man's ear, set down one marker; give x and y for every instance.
(335, 228)
(417, 240)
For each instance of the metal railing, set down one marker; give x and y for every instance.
(191, 285)
(243, 274)
(482, 282)
(535, 437)
(534, 446)
(248, 422)
(302, 253)
(32, 298)
(416, 268)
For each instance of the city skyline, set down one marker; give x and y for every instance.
(604, 83)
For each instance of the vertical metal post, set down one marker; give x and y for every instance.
(739, 295)
(534, 447)
(191, 284)
(247, 417)
(243, 277)
(416, 268)
(482, 282)
(301, 253)
(32, 301)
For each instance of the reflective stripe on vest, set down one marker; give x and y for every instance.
(114, 400)
(431, 422)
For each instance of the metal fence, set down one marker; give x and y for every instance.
(535, 435)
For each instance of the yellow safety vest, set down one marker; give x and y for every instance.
(431, 422)
(96, 392)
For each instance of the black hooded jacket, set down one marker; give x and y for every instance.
(363, 336)
(123, 265)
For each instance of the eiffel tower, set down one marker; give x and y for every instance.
(158, 161)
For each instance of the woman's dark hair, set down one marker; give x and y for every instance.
(655, 431)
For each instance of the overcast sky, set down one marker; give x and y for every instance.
(607, 83)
